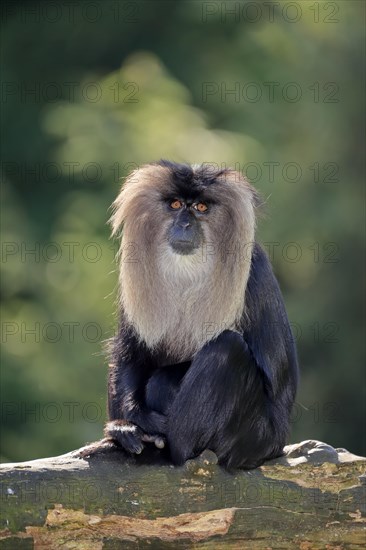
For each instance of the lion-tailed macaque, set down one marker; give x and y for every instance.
(204, 357)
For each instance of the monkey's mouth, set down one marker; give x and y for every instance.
(183, 246)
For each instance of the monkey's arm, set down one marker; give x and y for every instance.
(130, 421)
(268, 333)
(126, 397)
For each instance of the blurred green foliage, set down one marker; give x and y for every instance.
(91, 90)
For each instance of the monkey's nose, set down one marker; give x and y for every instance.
(184, 225)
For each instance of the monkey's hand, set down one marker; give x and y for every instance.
(151, 422)
(157, 439)
(126, 434)
(130, 437)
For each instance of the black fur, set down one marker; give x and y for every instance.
(234, 397)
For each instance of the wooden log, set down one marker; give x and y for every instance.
(312, 497)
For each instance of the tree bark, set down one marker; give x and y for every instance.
(313, 497)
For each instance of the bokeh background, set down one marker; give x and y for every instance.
(93, 89)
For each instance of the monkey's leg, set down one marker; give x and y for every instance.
(223, 405)
(163, 386)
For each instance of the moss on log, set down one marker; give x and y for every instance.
(313, 497)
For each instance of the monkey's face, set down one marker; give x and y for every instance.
(185, 234)
(184, 218)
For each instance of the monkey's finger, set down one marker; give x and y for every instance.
(137, 448)
(159, 441)
(131, 443)
(148, 438)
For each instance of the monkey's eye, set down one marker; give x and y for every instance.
(200, 206)
(176, 204)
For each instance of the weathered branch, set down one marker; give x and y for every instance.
(312, 497)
